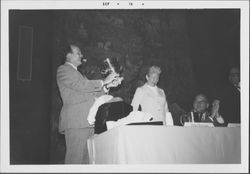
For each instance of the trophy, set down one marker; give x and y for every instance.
(111, 66)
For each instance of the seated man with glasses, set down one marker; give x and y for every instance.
(200, 112)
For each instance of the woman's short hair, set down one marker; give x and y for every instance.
(154, 69)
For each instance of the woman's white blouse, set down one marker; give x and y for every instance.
(152, 100)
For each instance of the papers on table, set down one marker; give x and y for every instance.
(233, 125)
(133, 117)
(195, 124)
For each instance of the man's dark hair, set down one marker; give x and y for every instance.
(66, 49)
(201, 94)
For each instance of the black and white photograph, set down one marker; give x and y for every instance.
(125, 86)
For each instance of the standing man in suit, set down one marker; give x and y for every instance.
(78, 94)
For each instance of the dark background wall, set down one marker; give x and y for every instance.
(214, 37)
(30, 101)
(195, 49)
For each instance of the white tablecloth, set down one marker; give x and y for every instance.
(146, 144)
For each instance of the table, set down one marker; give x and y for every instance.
(154, 144)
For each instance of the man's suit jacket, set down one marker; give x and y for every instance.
(230, 104)
(151, 102)
(78, 94)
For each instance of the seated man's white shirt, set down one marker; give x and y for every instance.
(94, 108)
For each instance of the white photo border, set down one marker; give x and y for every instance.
(65, 4)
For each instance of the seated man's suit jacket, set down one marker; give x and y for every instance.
(230, 104)
(202, 117)
(78, 95)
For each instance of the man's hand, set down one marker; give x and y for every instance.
(215, 108)
(117, 81)
(110, 78)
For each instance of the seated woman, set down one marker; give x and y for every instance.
(200, 112)
(151, 99)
